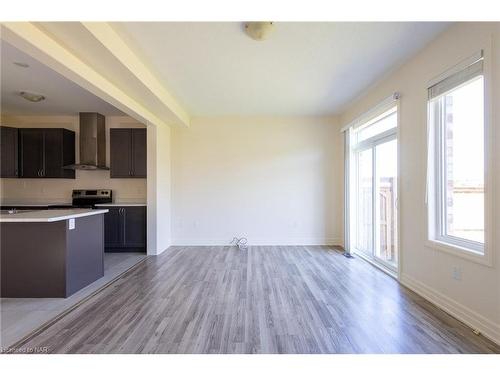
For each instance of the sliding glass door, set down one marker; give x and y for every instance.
(386, 202)
(374, 190)
(364, 199)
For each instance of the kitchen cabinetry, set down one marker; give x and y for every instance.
(8, 152)
(125, 228)
(128, 153)
(44, 152)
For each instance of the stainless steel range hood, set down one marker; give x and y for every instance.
(92, 142)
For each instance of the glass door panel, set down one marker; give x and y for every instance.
(385, 230)
(373, 190)
(364, 211)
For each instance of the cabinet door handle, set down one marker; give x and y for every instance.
(38, 173)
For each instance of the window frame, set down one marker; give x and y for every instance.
(436, 183)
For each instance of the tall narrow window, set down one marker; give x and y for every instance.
(456, 106)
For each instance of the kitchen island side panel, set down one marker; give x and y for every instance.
(85, 252)
(33, 259)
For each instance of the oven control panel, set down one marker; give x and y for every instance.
(99, 193)
(89, 198)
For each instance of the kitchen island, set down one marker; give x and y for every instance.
(50, 253)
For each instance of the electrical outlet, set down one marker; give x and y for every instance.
(457, 273)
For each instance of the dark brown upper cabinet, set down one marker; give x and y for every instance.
(9, 152)
(128, 153)
(139, 153)
(44, 152)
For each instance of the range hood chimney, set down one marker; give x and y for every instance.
(92, 142)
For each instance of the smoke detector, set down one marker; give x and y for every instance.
(259, 30)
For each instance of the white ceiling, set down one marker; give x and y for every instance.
(213, 68)
(303, 69)
(63, 97)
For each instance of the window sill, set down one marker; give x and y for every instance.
(461, 252)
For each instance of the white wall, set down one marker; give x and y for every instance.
(159, 189)
(273, 180)
(19, 190)
(163, 186)
(476, 298)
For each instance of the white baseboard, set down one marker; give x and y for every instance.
(158, 251)
(259, 242)
(472, 319)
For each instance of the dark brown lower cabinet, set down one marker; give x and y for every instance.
(125, 229)
(134, 232)
(113, 228)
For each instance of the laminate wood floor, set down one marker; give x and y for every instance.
(279, 299)
(20, 316)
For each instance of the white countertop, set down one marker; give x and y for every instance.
(121, 204)
(48, 216)
(10, 204)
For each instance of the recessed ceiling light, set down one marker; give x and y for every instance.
(32, 97)
(259, 30)
(21, 64)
